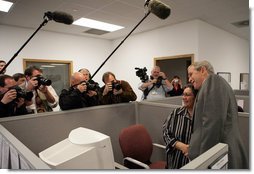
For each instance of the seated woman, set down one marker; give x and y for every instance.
(177, 130)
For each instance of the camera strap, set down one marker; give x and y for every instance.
(146, 91)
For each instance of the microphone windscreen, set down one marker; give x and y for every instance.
(160, 9)
(62, 17)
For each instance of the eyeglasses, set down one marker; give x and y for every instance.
(187, 95)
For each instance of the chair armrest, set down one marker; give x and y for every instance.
(119, 166)
(159, 145)
(145, 166)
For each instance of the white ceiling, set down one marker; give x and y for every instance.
(127, 13)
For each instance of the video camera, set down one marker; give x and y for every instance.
(43, 81)
(21, 93)
(141, 73)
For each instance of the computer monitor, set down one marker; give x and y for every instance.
(214, 158)
(83, 149)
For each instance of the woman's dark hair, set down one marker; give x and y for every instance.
(193, 90)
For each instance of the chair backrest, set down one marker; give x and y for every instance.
(136, 142)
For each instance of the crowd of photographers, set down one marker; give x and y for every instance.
(32, 93)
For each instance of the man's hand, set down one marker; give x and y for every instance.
(32, 83)
(9, 96)
(43, 89)
(82, 87)
(107, 89)
(117, 92)
(162, 74)
(20, 102)
(91, 93)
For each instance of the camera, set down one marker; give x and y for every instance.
(21, 93)
(116, 85)
(91, 86)
(158, 82)
(176, 80)
(141, 73)
(43, 81)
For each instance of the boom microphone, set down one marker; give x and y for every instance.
(59, 16)
(158, 8)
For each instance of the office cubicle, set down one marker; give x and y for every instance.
(214, 158)
(241, 92)
(244, 102)
(38, 132)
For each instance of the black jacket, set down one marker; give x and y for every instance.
(73, 99)
(11, 109)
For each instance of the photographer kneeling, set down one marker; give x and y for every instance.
(12, 103)
(116, 91)
(157, 87)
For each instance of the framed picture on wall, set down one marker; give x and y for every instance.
(58, 71)
(244, 81)
(226, 76)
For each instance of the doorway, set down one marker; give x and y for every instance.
(175, 65)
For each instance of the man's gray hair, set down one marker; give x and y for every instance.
(204, 63)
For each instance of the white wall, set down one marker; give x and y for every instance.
(83, 51)
(225, 51)
(140, 50)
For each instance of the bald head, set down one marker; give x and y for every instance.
(76, 78)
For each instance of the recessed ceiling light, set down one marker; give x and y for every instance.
(5, 5)
(85, 22)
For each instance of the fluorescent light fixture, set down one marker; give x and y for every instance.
(5, 5)
(47, 66)
(85, 22)
(57, 64)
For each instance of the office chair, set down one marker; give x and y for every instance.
(137, 147)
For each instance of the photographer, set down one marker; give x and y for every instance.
(116, 91)
(2, 65)
(177, 87)
(45, 97)
(77, 96)
(157, 87)
(10, 103)
(93, 89)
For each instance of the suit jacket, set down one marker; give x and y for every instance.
(216, 120)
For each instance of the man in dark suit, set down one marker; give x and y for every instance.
(215, 116)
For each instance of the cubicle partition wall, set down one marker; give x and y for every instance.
(245, 130)
(244, 102)
(41, 131)
(241, 92)
(34, 133)
(152, 116)
(177, 100)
